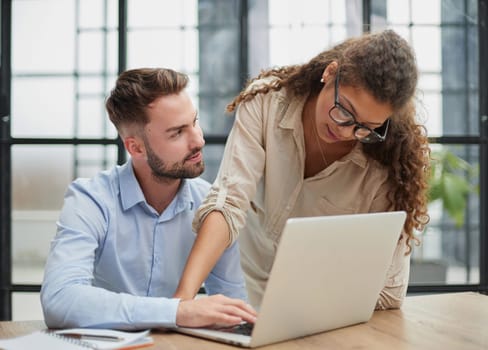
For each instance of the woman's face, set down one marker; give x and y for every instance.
(357, 102)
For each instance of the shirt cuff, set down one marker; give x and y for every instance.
(156, 312)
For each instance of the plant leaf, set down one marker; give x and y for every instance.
(454, 192)
(455, 163)
(435, 190)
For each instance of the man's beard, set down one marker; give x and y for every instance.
(178, 170)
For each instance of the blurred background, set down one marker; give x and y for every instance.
(61, 57)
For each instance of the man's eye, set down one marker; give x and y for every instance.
(177, 133)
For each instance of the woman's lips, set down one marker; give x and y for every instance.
(332, 135)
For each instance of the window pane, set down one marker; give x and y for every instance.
(168, 27)
(43, 35)
(214, 121)
(55, 112)
(426, 42)
(37, 173)
(40, 176)
(454, 11)
(449, 252)
(296, 34)
(112, 13)
(430, 110)
(93, 121)
(445, 38)
(45, 89)
(91, 48)
(398, 12)
(317, 39)
(91, 85)
(91, 13)
(26, 306)
(91, 159)
(454, 78)
(181, 44)
(212, 156)
(425, 12)
(162, 12)
(32, 232)
(42, 107)
(112, 52)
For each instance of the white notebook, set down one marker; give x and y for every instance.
(79, 339)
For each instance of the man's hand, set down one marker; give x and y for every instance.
(214, 309)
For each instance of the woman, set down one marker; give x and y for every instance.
(336, 135)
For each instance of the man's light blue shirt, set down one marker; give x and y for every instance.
(115, 262)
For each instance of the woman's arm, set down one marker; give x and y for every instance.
(396, 283)
(209, 245)
(224, 210)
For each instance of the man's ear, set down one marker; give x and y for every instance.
(134, 146)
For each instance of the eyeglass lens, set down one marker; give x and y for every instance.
(344, 118)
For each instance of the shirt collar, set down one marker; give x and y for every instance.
(131, 192)
(185, 197)
(357, 155)
(183, 201)
(289, 108)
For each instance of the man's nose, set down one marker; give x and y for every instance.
(197, 140)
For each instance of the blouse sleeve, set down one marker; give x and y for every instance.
(240, 171)
(396, 283)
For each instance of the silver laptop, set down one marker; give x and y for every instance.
(328, 273)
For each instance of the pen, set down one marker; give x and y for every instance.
(91, 337)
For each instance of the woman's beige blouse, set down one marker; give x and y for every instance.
(261, 184)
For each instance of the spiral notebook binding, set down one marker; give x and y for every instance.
(79, 342)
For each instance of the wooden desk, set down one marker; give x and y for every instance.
(442, 321)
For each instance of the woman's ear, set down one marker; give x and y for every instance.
(330, 71)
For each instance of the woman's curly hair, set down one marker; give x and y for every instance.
(384, 64)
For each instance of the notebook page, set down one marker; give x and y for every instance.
(125, 340)
(40, 341)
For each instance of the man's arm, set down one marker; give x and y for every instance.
(69, 298)
(86, 306)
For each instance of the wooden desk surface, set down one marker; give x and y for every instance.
(442, 321)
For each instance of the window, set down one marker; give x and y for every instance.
(59, 59)
(445, 37)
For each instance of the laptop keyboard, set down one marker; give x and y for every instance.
(243, 328)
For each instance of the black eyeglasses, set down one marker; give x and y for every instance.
(342, 117)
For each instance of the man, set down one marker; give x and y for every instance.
(123, 236)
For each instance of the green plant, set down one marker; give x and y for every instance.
(449, 183)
